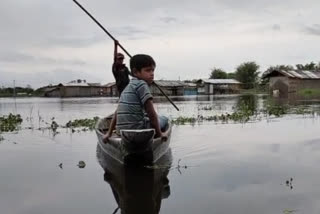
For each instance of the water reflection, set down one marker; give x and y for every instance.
(137, 189)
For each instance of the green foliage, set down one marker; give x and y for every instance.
(89, 123)
(183, 120)
(247, 73)
(309, 66)
(19, 91)
(281, 67)
(231, 75)
(10, 123)
(218, 73)
(272, 108)
(309, 92)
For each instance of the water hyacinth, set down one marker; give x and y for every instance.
(89, 123)
(10, 123)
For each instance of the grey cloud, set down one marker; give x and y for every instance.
(75, 41)
(168, 19)
(15, 57)
(39, 79)
(276, 27)
(313, 30)
(128, 31)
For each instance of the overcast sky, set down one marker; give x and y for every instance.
(46, 42)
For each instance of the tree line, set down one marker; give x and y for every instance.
(248, 72)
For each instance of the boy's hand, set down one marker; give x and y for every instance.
(164, 136)
(106, 137)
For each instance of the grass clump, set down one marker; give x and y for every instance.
(10, 122)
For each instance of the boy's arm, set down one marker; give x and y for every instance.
(111, 128)
(153, 117)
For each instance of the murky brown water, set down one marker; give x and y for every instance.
(231, 168)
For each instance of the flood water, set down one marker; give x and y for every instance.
(267, 166)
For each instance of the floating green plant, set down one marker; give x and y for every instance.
(81, 164)
(89, 123)
(183, 120)
(10, 123)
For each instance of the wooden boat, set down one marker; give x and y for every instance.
(132, 144)
(137, 189)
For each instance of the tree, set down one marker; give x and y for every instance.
(281, 67)
(247, 73)
(231, 75)
(308, 67)
(218, 73)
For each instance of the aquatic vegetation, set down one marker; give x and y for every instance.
(309, 92)
(207, 108)
(271, 107)
(81, 164)
(238, 116)
(287, 211)
(183, 120)
(10, 123)
(276, 110)
(89, 123)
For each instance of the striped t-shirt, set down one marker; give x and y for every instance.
(131, 112)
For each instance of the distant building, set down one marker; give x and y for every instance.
(190, 89)
(76, 88)
(218, 86)
(112, 90)
(282, 83)
(170, 88)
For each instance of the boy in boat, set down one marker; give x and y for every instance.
(119, 69)
(136, 100)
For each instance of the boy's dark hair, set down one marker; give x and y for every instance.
(139, 61)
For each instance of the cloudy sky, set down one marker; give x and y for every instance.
(46, 42)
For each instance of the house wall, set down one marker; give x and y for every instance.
(287, 85)
(299, 84)
(77, 91)
(54, 93)
(281, 84)
(190, 91)
(170, 91)
(210, 88)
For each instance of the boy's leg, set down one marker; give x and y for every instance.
(163, 121)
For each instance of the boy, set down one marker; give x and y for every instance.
(136, 100)
(119, 69)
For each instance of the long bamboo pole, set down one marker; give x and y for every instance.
(109, 34)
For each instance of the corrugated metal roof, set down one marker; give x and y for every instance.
(190, 84)
(169, 83)
(75, 84)
(294, 74)
(221, 81)
(94, 84)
